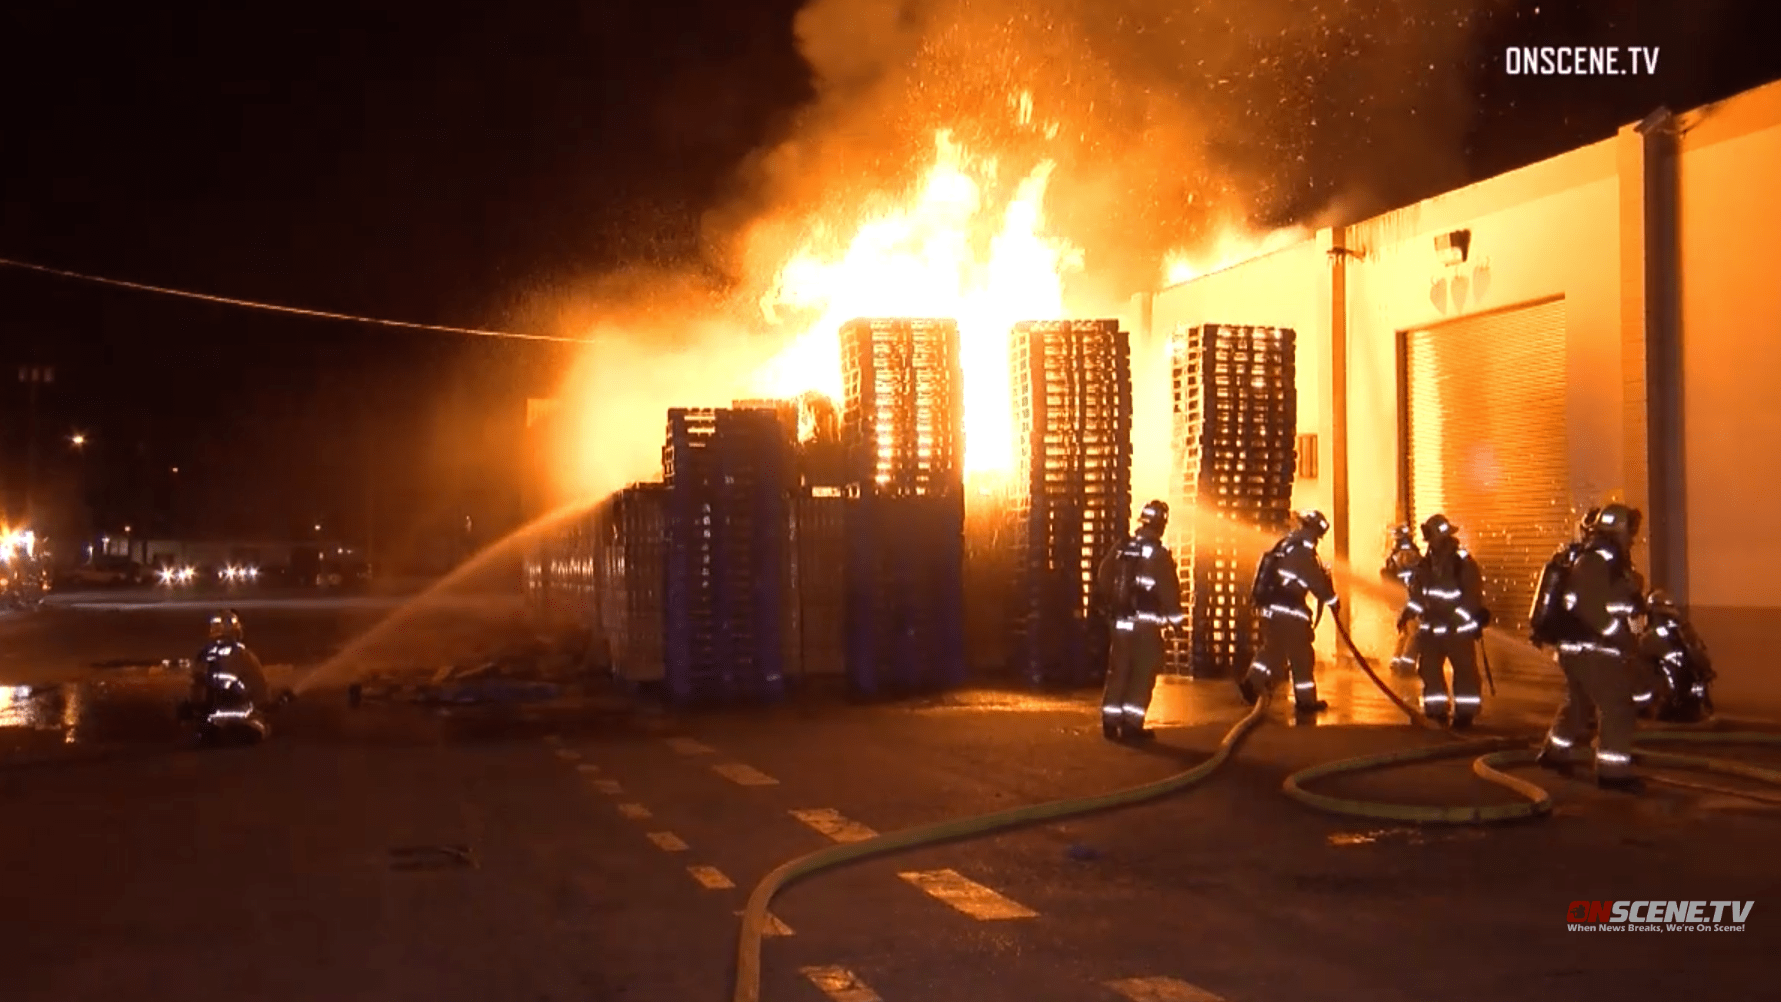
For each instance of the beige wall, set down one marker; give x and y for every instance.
(1730, 209)
(1545, 231)
(1288, 288)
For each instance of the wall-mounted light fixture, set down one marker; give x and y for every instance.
(1453, 247)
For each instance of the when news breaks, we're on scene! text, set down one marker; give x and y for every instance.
(1580, 60)
(1658, 916)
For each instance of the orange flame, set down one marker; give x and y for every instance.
(925, 259)
(1233, 245)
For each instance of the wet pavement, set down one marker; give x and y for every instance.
(592, 848)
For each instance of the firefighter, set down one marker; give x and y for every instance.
(1399, 563)
(1585, 606)
(1678, 667)
(1140, 592)
(1447, 595)
(1286, 577)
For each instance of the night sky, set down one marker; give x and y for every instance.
(438, 163)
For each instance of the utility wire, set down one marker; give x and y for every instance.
(276, 308)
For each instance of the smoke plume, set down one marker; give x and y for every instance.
(656, 339)
(1167, 120)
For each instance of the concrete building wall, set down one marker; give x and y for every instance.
(1544, 232)
(1584, 227)
(1729, 206)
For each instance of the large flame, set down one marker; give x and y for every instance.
(1232, 245)
(930, 258)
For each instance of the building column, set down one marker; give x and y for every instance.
(1650, 348)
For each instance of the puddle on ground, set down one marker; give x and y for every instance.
(1404, 836)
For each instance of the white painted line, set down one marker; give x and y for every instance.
(607, 786)
(772, 926)
(568, 755)
(831, 823)
(744, 775)
(584, 767)
(968, 896)
(636, 812)
(710, 878)
(687, 746)
(1161, 990)
(667, 841)
(553, 740)
(840, 984)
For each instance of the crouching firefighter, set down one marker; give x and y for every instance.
(1675, 686)
(1585, 604)
(1288, 575)
(1400, 562)
(1141, 594)
(229, 691)
(1447, 597)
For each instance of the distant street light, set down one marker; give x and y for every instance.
(78, 440)
(176, 469)
(318, 527)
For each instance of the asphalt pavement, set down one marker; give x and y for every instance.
(594, 848)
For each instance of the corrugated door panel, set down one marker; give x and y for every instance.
(1487, 443)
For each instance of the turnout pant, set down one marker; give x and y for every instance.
(1596, 683)
(1434, 653)
(1403, 660)
(1134, 655)
(1287, 646)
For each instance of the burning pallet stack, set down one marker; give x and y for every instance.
(1236, 412)
(628, 531)
(1072, 492)
(725, 474)
(903, 428)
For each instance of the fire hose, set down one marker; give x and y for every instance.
(1492, 756)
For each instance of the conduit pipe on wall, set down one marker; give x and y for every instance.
(1666, 495)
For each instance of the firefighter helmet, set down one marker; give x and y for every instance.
(1154, 516)
(1313, 525)
(1619, 520)
(225, 625)
(1436, 528)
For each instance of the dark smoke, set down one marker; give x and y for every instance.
(1171, 118)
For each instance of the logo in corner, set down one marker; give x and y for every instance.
(1578, 912)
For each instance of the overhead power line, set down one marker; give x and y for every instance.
(277, 308)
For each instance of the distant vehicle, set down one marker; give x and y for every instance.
(239, 574)
(106, 572)
(176, 575)
(343, 574)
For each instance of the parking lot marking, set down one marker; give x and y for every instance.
(687, 746)
(553, 740)
(710, 877)
(667, 841)
(608, 786)
(584, 767)
(840, 984)
(568, 754)
(831, 823)
(968, 896)
(1161, 990)
(744, 775)
(772, 926)
(636, 812)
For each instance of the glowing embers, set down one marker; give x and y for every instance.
(1072, 403)
(1236, 414)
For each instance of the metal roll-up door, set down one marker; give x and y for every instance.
(1487, 443)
